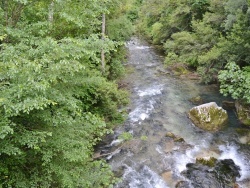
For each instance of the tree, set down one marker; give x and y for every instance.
(55, 103)
(235, 82)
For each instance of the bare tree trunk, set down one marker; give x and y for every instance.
(103, 38)
(51, 12)
(16, 14)
(5, 9)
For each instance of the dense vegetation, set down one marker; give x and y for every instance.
(58, 97)
(56, 102)
(210, 36)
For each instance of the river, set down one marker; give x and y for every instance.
(159, 105)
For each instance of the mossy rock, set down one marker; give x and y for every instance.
(243, 131)
(244, 135)
(178, 69)
(208, 162)
(243, 112)
(215, 173)
(209, 116)
(171, 135)
(174, 137)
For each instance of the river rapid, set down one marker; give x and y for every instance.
(159, 105)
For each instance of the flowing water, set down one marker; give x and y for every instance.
(159, 104)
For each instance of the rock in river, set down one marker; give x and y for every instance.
(243, 112)
(208, 116)
(221, 174)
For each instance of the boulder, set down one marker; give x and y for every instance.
(243, 112)
(209, 116)
(215, 173)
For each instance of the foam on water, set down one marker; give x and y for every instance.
(232, 152)
(144, 177)
(156, 90)
(143, 116)
(141, 112)
(116, 142)
(181, 161)
(142, 47)
(145, 104)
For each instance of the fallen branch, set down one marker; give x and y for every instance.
(98, 155)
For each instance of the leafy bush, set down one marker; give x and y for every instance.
(55, 103)
(235, 81)
(120, 29)
(156, 32)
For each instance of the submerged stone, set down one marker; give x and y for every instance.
(174, 137)
(209, 116)
(243, 112)
(244, 135)
(182, 184)
(196, 100)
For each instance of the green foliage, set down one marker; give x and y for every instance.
(149, 14)
(235, 81)
(204, 35)
(182, 43)
(171, 58)
(126, 136)
(208, 162)
(144, 138)
(119, 29)
(55, 103)
(156, 32)
(199, 7)
(116, 68)
(47, 96)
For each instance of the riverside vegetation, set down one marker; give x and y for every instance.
(56, 101)
(209, 36)
(58, 95)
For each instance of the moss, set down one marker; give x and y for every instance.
(179, 139)
(174, 137)
(243, 132)
(169, 134)
(178, 69)
(196, 100)
(208, 117)
(208, 162)
(243, 116)
(243, 112)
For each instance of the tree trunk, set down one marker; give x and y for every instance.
(16, 14)
(103, 38)
(51, 12)
(5, 9)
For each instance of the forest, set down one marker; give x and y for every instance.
(210, 37)
(60, 72)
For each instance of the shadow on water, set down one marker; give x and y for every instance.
(159, 106)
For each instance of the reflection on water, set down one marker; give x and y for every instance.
(159, 105)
